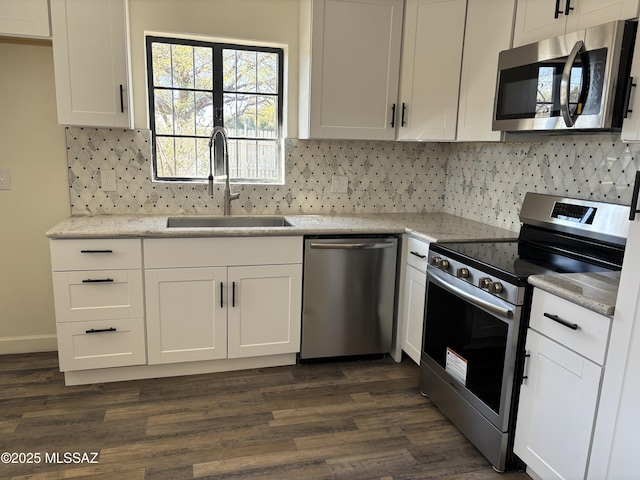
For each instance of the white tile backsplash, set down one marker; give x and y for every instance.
(481, 181)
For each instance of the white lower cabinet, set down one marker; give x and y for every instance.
(265, 310)
(185, 319)
(99, 304)
(244, 301)
(560, 392)
(412, 316)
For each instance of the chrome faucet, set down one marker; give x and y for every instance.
(228, 196)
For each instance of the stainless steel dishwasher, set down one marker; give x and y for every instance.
(348, 296)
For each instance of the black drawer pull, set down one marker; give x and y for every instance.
(101, 330)
(555, 318)
(418, 255)
(221, 295)
(98, 280)
(96, 251)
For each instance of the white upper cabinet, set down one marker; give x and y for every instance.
(430, 73)
(349, 63)
(25, 18)
(480, 66)
(91, 62)
(631, 124)
(540, 19)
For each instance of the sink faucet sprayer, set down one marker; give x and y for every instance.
(228, 196)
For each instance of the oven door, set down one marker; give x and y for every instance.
(470, 343)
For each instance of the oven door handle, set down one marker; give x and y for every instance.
(478, 302)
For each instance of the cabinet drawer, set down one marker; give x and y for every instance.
(95, 254)
(101, 344)
(98, 295)
(417, 251)
(591, 337)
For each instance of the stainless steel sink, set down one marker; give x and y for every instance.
(226, 222)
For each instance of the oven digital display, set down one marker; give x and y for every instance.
(573, 213)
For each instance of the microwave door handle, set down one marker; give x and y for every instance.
(565, 83)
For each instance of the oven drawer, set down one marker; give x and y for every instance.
(417, 252)
(591, 336)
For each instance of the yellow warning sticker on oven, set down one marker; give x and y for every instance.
(456, 366)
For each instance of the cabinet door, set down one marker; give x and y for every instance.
(589, 13)
(631, 124)
(557, 409)
(415, 287)
(430, 75)
(29, 18)
(354, 60)
(537, 20)
(186, 314)
(480, 64)
(265, 306)
(91, 62)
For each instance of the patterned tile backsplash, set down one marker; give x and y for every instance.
(481, 181)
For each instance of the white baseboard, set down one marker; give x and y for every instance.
(28, 344)
(137, 372)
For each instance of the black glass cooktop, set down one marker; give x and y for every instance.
(514, 261)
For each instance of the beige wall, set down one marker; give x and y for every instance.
(33, 148)
(272, 22)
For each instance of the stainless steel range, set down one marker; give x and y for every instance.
(477, 311)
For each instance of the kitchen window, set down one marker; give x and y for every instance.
(196, 85)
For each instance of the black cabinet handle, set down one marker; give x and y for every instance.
(568, 7)
(633, 209)
(121, 100)
(558, 12)
(524, 369)
(96, 251)
(418, 255)
(393, 115)
(98, 280)
(101, 330)
(404, 109)
(627, 97)
(233, 294)
(555, 318)
(221, 295)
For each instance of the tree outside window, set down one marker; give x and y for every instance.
(195, 85)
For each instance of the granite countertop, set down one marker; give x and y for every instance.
(595, 291)
(428, 226)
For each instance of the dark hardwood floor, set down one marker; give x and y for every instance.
(362, 419)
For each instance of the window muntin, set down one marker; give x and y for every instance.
(194, 85)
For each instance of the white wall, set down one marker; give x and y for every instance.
(272, 22)
(33, 148)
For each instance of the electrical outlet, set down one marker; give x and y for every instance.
(339, 184)
(5, 179)
(108, 180)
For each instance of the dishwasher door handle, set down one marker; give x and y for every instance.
(352, 246)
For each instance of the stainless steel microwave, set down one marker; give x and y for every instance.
(578, 81)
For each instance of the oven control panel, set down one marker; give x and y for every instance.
(476, 277)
